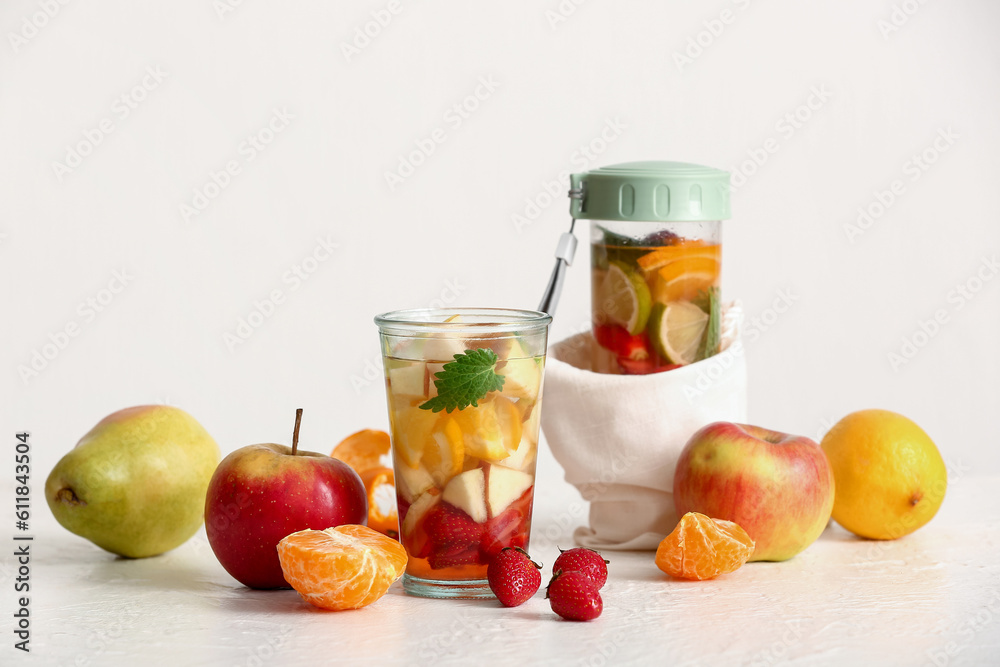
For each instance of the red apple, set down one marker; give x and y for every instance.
(777, 487)
(261, 493)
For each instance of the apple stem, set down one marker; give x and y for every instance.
(295, 433)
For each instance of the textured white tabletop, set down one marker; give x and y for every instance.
(931, 598)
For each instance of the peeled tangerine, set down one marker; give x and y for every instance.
(703, 548)
(346, 567)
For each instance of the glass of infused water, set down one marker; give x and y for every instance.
(464, 398)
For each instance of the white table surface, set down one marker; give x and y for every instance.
(930, 598)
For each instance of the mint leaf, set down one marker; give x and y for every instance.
(465, 381)
(710, 340)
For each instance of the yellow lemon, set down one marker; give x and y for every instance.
(889, 476)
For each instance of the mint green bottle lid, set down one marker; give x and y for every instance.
(651, 191)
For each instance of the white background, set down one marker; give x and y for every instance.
(559, 81)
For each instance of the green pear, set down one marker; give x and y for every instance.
(135, 484)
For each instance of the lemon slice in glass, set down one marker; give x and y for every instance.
(676, 330)
(624, 298)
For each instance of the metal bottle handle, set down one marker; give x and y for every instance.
(565, 250)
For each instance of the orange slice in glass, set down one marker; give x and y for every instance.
(381, 491)
(363, 450)
(413, 433)
(689, 265)
(663, 256)
(491, 431)
(703, 548)
(346, 567)
(683, 279)
(444, 452)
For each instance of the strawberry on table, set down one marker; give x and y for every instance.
(513, 576)
(585, 561)
(574, 596)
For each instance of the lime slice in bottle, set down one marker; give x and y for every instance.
(624, 298)
(676, 330)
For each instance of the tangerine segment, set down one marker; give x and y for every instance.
(690, 265)
(381, 491)
(703, 548)
(666, 254)
(684, 288)
(444, 453)
(491, 431)
(363, 450)
(346, 567)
